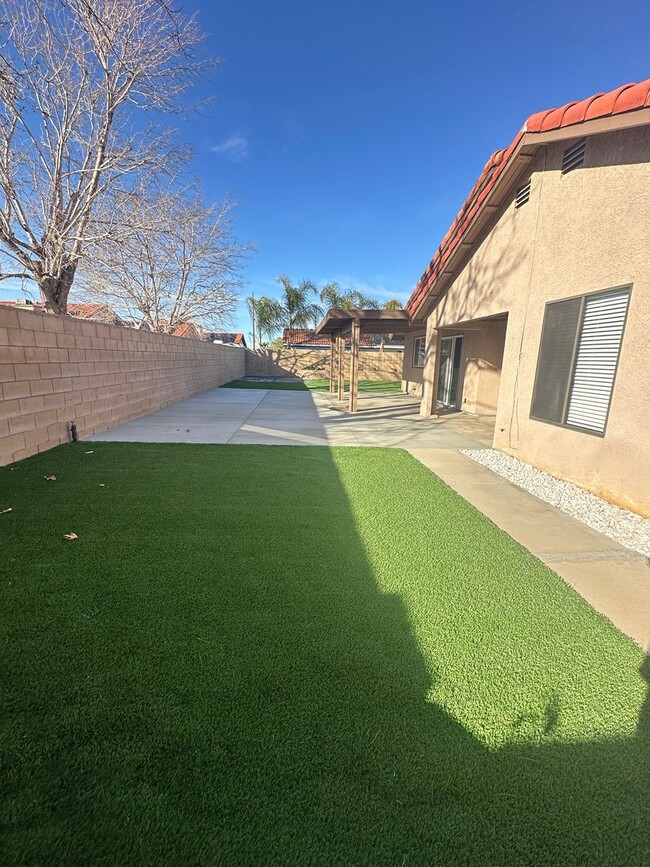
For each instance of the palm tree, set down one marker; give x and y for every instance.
(332, 296)
(360, 301)
(251, 305)
(299, 311)
(270, 315)
(393, 304)
(266, 314)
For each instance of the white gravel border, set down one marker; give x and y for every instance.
(621, 525)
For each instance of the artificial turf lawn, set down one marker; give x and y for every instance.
(366, 386)
(277, 655)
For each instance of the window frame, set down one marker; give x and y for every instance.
(416, 353)
(576, 344)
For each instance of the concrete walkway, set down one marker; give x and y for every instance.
(613, 579)
(267, 417)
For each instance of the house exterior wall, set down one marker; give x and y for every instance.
(582, 232)
(315, 363)
(411, 376)
(480, 372)
(54, 370)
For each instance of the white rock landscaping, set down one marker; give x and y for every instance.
(621, 525)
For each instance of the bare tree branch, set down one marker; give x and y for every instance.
(180, 263)
(78, 79)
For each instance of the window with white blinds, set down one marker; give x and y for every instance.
(578, 357)
(419, 346)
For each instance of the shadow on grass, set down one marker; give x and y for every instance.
(212, 674)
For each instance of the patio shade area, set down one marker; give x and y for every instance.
(278, 655)
(339, 323)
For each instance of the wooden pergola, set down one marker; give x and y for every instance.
(340, 324)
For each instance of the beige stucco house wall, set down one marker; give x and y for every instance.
(580, 232)
(411, 374)
(480, 370)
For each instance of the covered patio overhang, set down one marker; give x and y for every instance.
(340, 324)
(470, 381)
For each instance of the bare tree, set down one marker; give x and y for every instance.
(79, 82)
(182, 267)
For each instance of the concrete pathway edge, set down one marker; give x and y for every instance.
(614, 580)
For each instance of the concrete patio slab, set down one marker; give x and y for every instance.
(612, 579)
(275, 417)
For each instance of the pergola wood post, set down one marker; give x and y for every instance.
(431, 371)
(340, 340)
(354, 365)
(332, 362)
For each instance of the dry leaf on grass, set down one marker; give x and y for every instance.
(70, 537)
(4, 511)
(50, 478)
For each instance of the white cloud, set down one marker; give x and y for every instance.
(235, 148)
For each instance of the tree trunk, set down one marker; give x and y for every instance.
(55, 289)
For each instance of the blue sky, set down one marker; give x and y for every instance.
(350, 132)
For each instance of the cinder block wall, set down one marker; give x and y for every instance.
(54, 370)
(315, 363)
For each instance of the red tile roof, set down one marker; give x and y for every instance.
(296, 336)
(629, 97)
(183, 329)
(85, 311)
(79, 311)
(236, 338)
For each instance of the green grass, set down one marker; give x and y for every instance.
(276, 655)
(367, 386)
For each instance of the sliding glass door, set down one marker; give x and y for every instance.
(450, 356)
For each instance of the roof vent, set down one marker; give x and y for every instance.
(522, 195)
(574, 156)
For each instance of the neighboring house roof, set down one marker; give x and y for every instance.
(92, 312)
(236, 338)
(25, 304)
(84, 311)
(95, 313)
(186, 329)
(304, 336)
(139, 324)
(308, 337)
(628, 98)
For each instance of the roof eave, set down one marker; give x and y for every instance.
(521, 156)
